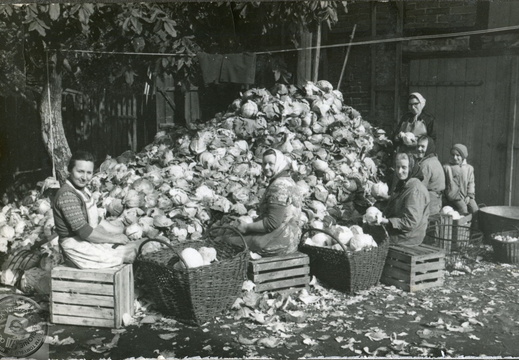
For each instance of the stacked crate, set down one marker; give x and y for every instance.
(284, 273)
(414, 268)
(93, 297)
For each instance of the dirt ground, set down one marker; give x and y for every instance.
(475, 314)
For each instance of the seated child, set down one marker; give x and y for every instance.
(460, 190)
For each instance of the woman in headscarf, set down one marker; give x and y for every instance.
(460, 191)
(407, 211)
(416, 121)
(87, 242)
(277, 231)
(432, 170)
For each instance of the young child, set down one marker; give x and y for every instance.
(460, 190)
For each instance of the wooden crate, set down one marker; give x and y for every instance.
(413, 268)
(93, 297)
(285, 273)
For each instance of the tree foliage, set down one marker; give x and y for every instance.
(178, 29)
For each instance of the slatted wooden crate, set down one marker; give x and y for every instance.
(93, 297)
(285, 273)
(450, 232)
(414, 268)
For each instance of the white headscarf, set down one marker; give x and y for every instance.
(420, 99)
(418, 96)
(282, 162)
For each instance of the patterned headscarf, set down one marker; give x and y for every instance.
(414, 171)
(282, 162)
(431, 146)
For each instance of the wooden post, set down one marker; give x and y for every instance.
(373, 92)
(398, 62)
(510, 196)
(304, 58)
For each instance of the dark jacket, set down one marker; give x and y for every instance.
(408, 213)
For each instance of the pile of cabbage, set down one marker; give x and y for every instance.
(352, 238)
(188, 180)
(25, 224)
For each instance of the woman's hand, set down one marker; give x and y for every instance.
(113, 226)
(382, 197)
(242, 227)
(383, 221)
(120, 239)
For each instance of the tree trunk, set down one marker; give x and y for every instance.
(52, 126)
(317, 58)
(304, 58)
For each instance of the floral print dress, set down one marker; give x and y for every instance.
(280, 211)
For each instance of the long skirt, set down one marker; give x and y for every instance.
(87, 255)
(283, 240)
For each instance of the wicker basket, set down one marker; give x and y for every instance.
(453, 238)
(344, 270)
(506, 252)
(193, 295)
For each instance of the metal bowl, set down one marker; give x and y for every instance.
(493, 219)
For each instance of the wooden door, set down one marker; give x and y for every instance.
(165, 102)
(471, 100)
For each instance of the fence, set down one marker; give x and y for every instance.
(105, 124)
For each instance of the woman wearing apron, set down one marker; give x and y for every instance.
(278, 230)
(416, 121)
(86, 242)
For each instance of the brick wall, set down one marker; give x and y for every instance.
(357, 77)
(440, 15)
(356, 81)
(420, 17)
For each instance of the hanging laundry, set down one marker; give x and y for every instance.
(228, 68)
(238, 68)
(211, 65)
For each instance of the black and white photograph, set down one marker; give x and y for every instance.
(261, 179)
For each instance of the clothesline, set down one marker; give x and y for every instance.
(367, 42)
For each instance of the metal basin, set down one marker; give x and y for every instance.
(497, 218)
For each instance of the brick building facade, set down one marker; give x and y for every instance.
(376, 74)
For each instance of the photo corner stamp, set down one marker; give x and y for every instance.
(23, 326)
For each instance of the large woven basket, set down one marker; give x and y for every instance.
(193, 295)
(506, 252)
(344, 270)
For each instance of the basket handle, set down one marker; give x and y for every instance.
(163, 243)
(383, 226)
(233, 229)
(327, 233)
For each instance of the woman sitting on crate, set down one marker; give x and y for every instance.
(85, 241)
(460, 190)
(277, 231)
(407, 210)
